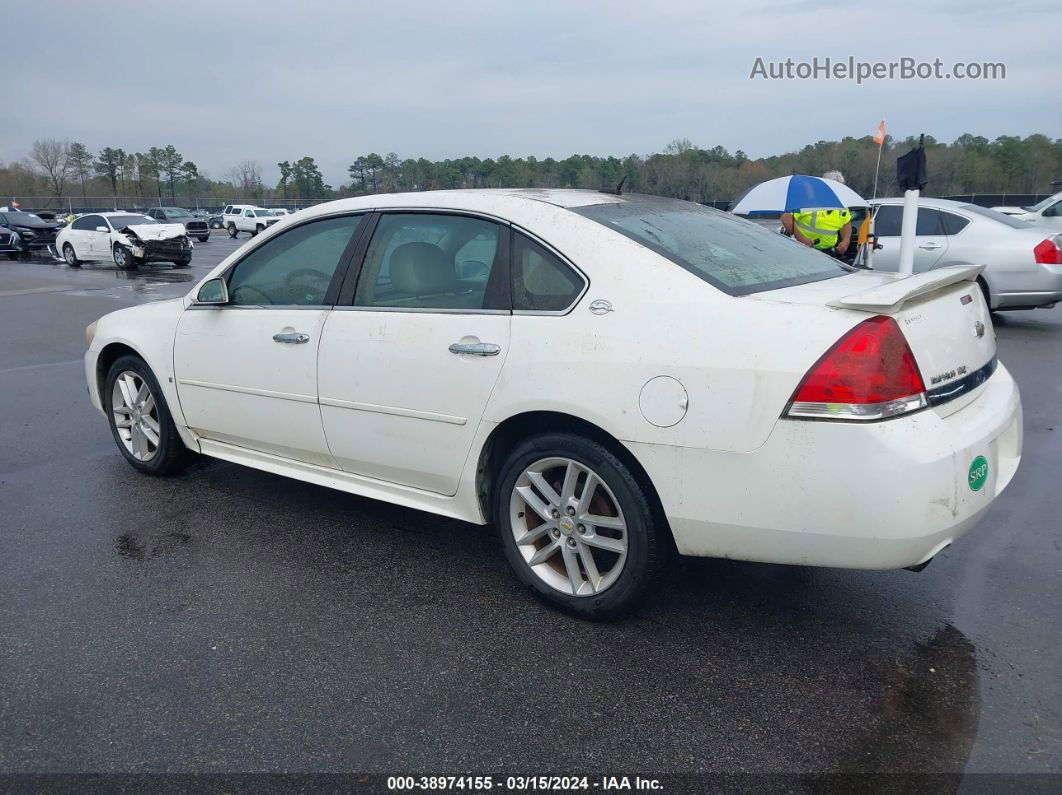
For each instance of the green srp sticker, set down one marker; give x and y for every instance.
(978, 473)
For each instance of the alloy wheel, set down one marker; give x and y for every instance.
(568, 526)
(68, 254)
(136, 416)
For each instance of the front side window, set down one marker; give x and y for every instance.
(295, 268)
(434, 261)
(93, 221)
(248, 214)
(728, 252)
(83, 224)
(541, 282)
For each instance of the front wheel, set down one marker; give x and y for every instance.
(203, 239)
(579, 527)
(123, 258)
(140, 420)
(13, 256)
(70, 256)
(233, 231)
(182, 263)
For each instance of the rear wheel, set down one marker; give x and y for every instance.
(140, 419)
(70, 256)
(985, 291)
(578, 527)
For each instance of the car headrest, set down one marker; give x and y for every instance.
(422, 269)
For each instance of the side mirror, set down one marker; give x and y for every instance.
(102, 229)
(213, 293)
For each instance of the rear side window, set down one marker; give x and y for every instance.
(953, 224)
(928, 222)
(733, 254)
(541, 282)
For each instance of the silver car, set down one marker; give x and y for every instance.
(1024, 263)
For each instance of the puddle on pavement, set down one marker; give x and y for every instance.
(923, 720)
(145, 547)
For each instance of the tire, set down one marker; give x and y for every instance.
(233, 231)
(168, 455)
(638, 555)
(13, 256)
(123, 258)
(182, 263)
(986, 292)
(70, 256)
(203, 239)
(258, 230)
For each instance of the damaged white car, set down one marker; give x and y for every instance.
(130, 239)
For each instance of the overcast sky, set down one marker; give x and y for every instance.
(269, 80)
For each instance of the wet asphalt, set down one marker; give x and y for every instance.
(230, 620)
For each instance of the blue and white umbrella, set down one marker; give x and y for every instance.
(798, 192)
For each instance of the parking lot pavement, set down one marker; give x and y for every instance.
(231, 620)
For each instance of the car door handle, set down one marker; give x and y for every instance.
(475, 349)
(292, 338)
(930, 246)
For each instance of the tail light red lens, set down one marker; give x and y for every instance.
(869, 374)
(1047, 252)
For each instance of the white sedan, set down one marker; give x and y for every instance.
(607, 379)
(129, 239)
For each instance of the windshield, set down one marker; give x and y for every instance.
(1043, 203)
(1003, 218)
(122, 221)
(22, 218)
(174, 213)
(735, 255)
(264, 213)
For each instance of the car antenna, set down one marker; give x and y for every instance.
(618, 190)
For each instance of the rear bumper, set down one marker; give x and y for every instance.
(877, 496)
(1041, 286)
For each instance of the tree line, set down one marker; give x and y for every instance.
(66, 170)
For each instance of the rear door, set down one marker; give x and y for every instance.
(931, 243)
(407, 365)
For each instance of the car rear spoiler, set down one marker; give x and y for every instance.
(888, 298)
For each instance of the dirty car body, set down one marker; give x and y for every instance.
(606, 378)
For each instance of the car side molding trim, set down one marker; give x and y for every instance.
(246, 390)
(393, 410)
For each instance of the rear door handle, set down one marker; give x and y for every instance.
(930, 246)
(292, 338)
(475, 349)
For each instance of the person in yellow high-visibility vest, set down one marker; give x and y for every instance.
(825, 229)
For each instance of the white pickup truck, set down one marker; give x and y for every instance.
(244, 218)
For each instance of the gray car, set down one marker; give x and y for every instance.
(1024, 263)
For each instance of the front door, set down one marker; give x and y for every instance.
(247, 371)
(930, 241)
(405, 371)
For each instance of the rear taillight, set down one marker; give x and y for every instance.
(1048, 253)
(869, 374)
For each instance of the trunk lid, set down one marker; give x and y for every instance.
(942, 313)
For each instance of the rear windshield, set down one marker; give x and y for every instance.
(735, 255)
(995, 215)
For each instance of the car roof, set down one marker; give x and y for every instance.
(925, 201)
(503, 202)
